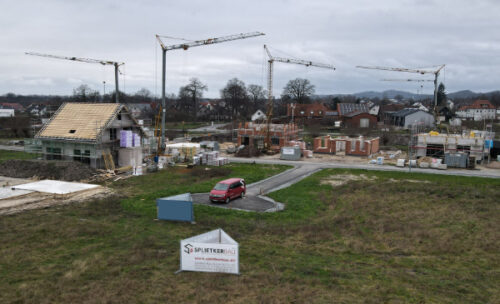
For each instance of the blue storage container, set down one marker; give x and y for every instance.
(175, 208)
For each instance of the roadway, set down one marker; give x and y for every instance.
(326, 165)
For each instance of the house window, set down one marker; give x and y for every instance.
(302, 112)
(86, 157)
(72, 131)
(275, 141)
(312, 112)
(320, 112)
(353, 145)
(77, 155)
(323, 142)
(112, 134)
(119, 116)
(362, 145)
(53, 153)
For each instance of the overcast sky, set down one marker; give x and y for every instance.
(463, 34)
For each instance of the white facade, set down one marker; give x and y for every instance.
(420, 117)
(7, 113)
(259, 115)
(477, 114)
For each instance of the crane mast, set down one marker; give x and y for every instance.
(271, 61)
(186, 46)
(87, 60)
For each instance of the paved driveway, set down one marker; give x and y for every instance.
(255, 199)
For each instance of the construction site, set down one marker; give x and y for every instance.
(202, 160)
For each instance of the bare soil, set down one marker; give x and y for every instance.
(42, 169)
(38, 200)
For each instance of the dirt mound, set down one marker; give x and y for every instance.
(58, 170)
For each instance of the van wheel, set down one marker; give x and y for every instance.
(227, 200)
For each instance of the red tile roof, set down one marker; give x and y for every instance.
(478, 104)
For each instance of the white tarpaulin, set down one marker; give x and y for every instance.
(214, 251)
(56, 187)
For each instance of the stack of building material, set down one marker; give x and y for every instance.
(308, 153)
(126, 139)
(221, 161)
(400, 162)
(436, 162)
(136, 140)
(423, 165)
(212, 158)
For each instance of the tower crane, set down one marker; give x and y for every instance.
(409, 80)
(186, 46)
(271, 61)
(87, 60)
(417, 71)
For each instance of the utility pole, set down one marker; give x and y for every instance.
(186, 46)
(88, 60)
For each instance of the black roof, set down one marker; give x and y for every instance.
(406, 112)
(346, 108)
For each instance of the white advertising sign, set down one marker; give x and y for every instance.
(214, 251)
(288, 151)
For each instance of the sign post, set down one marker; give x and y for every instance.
(213, 251)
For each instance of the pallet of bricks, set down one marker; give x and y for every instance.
(210, 159)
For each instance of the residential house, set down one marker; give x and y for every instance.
(7, 112)
(478, 110)
(409, 117)
(259, 116)
(386, 111)
(140, 110)
(355, 115)
(84, 132)
(314, 110)
(11, 105)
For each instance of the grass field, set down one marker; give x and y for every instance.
(346, 236)
(5, 155)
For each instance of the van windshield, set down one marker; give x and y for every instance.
(220, 186)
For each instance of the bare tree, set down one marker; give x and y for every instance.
(257, 96)
(84, 93)
(143, 94)
(235, 97)
(298, 90)
(190, 95)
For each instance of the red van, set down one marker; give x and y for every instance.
(228, 189)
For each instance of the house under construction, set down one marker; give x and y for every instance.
(85, 132)
(254, 135)
(436, 145)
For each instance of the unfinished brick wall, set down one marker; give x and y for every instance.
(281, 133)
(353, 146)
(324, 144)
